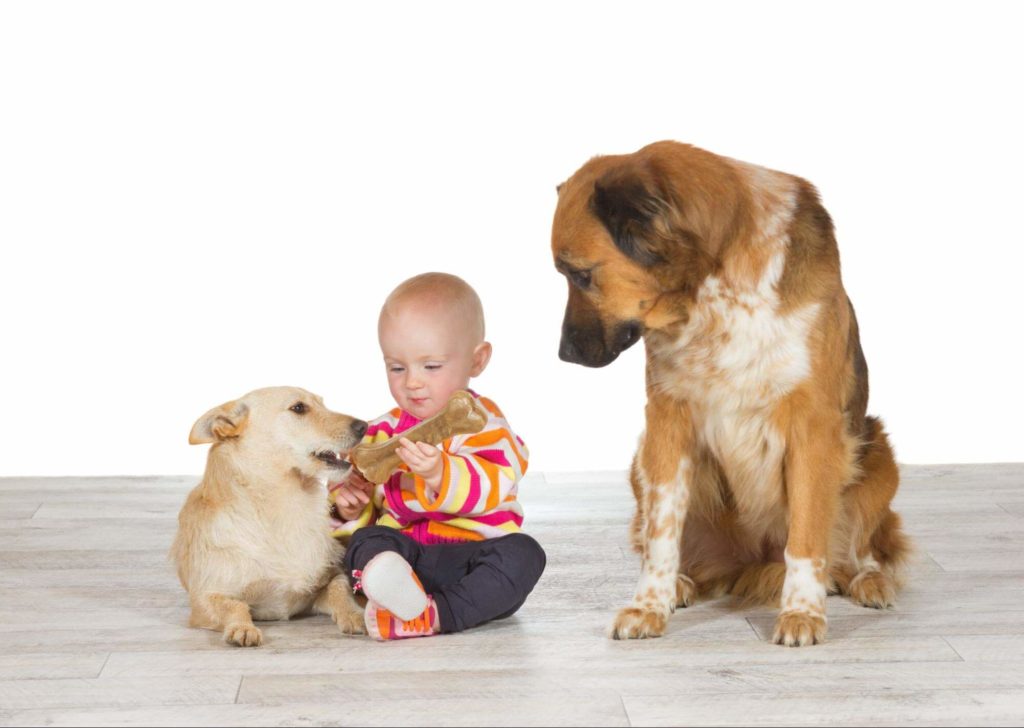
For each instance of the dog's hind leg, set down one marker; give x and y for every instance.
(231, 616)
(877, 546)
(338, 601)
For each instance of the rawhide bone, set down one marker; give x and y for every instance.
(462, 415)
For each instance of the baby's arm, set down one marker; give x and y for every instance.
(476, 476)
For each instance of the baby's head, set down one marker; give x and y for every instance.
(431, 332)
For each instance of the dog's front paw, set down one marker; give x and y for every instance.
(243, 635)
(634, 623)
(350, 622)
(797, 629)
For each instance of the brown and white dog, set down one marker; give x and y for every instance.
(254, 537)
(759, 473)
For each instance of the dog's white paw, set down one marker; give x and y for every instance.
(635, 623)
(243, 635)
(798, 629)
(350, 622)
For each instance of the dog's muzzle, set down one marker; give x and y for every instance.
(587, 346)
(334, 459)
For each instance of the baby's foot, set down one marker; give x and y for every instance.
(383, 625)
(389, 581)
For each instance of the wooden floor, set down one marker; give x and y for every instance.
(93, 627)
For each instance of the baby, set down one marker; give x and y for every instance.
(438, 547)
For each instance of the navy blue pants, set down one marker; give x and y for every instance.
(472, 582)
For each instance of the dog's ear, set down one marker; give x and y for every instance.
(220, 423)
(635, 210)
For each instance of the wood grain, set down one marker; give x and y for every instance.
(93, 627)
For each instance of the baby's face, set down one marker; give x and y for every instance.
(428, 357)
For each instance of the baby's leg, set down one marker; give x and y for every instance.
(494, 579)
(372, 540)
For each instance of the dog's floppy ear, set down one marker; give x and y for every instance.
(220, 423)
(631, 205)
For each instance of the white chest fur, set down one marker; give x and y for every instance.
(735, 359)
(271, 551)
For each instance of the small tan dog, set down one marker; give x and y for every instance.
(254, 537)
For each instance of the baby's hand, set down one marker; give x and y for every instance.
(422, 459)
(353, 495)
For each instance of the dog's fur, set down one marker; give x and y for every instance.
(254, 537)
(758, 473)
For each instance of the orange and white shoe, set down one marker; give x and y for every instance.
(389, 580)
(383, 625)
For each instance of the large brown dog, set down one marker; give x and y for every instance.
(759, 473)
(254, 537)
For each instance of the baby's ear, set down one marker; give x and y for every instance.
(220, 423)
(481, 356)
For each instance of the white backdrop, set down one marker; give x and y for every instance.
(197, 199)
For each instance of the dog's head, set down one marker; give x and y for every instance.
(634, 235)
(283, 430)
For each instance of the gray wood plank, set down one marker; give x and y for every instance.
(1015, 509)
(131, 692)
(50, 666)
(875, 623)
(596, 710)
(87, 585)
(935, 707)
(991, 648)
(11, 511)
(109, 509)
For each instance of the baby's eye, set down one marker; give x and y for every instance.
(396, 369)
(432, 367)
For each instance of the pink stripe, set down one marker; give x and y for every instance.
(384, 427)
(494, 456)
(405, 422)
(474, 487)
(498, 518)
(393, 493)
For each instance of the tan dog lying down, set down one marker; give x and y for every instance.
(462, 415)
(254, 537)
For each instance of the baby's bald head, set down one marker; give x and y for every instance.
(431, 332)
(447, 299)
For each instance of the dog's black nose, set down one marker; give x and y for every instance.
(567, 351)
(358, 428)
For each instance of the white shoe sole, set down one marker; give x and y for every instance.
(388, 581)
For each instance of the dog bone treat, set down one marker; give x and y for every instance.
(460, 416)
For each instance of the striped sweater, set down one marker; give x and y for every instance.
(476, 499)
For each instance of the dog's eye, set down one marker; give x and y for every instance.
(580, 278)
(299, 408)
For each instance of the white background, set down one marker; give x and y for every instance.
(197, 199)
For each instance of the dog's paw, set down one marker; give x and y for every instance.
(243, 635)
(797, 629)
(350, 622)
(634, 623)
(686, 591)
(873, 589)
